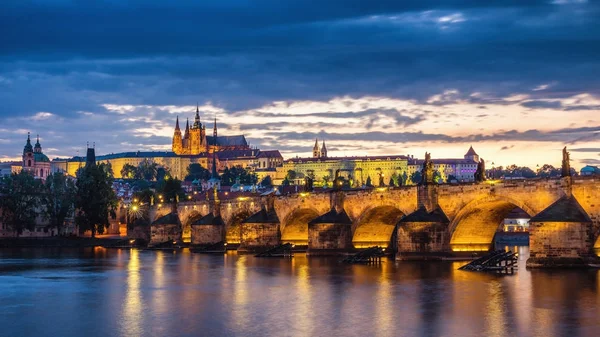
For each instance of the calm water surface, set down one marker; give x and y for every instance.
(100, 292)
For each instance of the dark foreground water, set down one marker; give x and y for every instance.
(100, 292)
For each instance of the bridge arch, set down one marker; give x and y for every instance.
(475, 225)
(294, 228)
(375, 227)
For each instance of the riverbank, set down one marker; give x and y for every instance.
(58, 241)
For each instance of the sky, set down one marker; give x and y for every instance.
(518, 80)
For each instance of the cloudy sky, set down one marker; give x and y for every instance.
(516, 79)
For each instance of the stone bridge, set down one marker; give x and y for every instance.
(411, 219)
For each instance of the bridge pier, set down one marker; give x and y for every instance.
(423, 235)
(330, 233)
(562, 236)
(261, 230)
(209, 229)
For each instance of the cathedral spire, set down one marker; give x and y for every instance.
(215, 129)
(316, 151)
(197, 124)
(177, 124)
(187, 129)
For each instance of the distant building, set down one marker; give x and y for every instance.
(355, 169)
(463, 170)
(590, 170)
(34, 160)
(516, 221)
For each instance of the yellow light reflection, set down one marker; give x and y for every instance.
(304, 312)
(131, 324)
(240, 290)
(385, 304)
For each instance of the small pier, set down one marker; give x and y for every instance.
(283, 250)
(500, 262)
(371, 255)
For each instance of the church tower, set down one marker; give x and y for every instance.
(323, 150)
(196, 134)
(177, 140)
(38, 147)
(28, 159)
(472, 155)
(316, 151)
(186, 138)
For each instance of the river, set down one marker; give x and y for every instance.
(112, 292)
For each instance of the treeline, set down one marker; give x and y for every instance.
(89, 199)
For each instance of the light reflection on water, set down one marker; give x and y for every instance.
(62, 292)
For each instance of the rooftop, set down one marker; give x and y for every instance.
(565, 209)
(169, 219)
(333, 217)
(263, 216)
(421, 215)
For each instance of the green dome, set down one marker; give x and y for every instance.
(40, 157)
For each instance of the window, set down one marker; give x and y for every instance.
(29, 163)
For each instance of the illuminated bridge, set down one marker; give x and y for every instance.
(413, 220)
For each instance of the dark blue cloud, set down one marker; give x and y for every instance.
(68, 57)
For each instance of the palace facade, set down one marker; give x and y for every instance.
(378, 169)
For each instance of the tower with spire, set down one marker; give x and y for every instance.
(197, 135)
(316, 150)
(34, 160)
(177, 145)
(323, 150)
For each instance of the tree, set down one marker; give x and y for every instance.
(231, 175)
(416, 177)
(437, 177)
(128, 171)
(451, 178)
(368, 183)
(95, 200)
(392, 183)
(326, 180)
(404, 178)
(147, 170)
(20, 201)
(59, 199)
(548, 171)
(291, 175)
(266, 182)
(162, 174)
(395, 180)
(195, 171)
(172, 190)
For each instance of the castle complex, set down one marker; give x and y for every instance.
(194, 141)
(193, 146)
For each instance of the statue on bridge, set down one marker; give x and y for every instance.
(427, 170)
(480, 173)
(566, 165)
